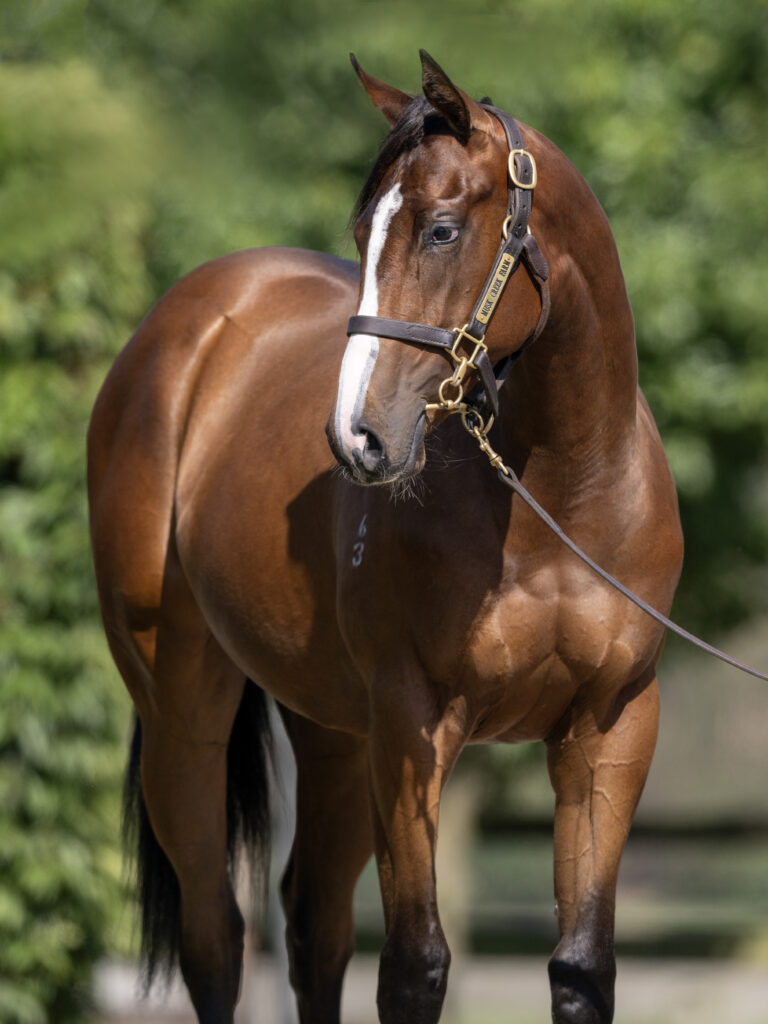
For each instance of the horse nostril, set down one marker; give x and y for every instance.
(373, 451)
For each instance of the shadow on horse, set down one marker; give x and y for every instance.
(396, 622)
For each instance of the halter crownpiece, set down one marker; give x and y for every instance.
(465, 346)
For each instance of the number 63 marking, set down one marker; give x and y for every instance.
(359, 546)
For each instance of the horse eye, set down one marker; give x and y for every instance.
(441, 234)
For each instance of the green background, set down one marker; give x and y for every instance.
(140, 139)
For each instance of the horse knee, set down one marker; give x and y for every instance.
(412, 980)
(582, 982)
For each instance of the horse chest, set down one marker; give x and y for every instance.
(518, 637)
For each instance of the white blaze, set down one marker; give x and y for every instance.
(362, 349)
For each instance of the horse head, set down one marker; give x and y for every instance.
(428, 225)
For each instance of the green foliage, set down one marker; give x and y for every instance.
(58, 772)
(138, 140)
(72, 284)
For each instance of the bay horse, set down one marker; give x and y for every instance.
(393, 623)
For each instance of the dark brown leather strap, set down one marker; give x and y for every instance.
(402, 330)
(520, 200)
(520, 243)
(507, 261)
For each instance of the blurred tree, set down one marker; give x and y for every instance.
(137, 140)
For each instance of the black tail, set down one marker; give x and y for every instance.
(248, 761)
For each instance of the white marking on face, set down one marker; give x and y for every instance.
(362, 349)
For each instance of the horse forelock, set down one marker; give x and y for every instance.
(418, 120)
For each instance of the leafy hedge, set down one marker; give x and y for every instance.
(73, 280)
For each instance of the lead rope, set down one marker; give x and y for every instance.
(474, 424)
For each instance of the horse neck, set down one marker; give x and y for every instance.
(573, 395)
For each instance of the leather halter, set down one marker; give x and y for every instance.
(517, 246)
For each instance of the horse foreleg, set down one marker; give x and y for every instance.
(414, 744)
(184, 783)
(332, 844)
(598, 769)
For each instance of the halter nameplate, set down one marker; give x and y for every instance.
(492, 296)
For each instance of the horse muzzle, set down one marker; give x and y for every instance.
(371, 459)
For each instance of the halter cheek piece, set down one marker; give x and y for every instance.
(465, 346)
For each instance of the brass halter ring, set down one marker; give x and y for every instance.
(462, 364)
(471, 419)
(449, 404)
(505, 226)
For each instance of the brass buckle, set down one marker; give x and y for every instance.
(480, 346)
(456, 380)
(513, 173)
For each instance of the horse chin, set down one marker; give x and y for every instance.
(400, 477)
(396, 477)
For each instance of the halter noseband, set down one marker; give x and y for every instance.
(517, 245)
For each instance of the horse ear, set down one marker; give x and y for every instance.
(389, 100)
(461, 112)
(445, 97)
